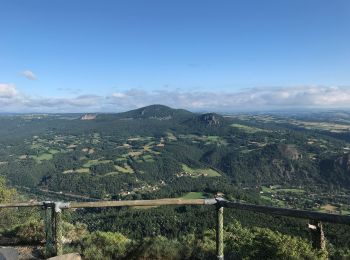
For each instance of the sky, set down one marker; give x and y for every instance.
(110, 56)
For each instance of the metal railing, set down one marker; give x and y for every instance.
(54, 210)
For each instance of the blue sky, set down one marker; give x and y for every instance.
(219, 55)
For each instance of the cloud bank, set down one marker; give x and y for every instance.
(12, 100)
(255, 98)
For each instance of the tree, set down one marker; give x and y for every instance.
(6, 194)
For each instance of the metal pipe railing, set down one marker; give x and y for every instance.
(315, 218)
(286, 212)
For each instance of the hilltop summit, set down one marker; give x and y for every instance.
(208, 120)
(211, 119)
(158, 112)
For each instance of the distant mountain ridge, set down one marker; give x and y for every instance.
(207, 122)
(162, 112)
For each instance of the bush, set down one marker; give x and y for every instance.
(159, 248)
(31, 231)
(73, 233)
(105, 245)
(263, 243)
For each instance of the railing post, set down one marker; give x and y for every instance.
(48, 224)
(317, 234)
(220, 232)
(58, 229)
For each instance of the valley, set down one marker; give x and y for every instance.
(111, 156)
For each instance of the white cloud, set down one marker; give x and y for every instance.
(255, 98)
(118, 95)
(28, 74)
(8, 91)
(75, 102)
(12, 100)
(248, 99)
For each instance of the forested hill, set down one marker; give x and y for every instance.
(157, 151)
(156, 112)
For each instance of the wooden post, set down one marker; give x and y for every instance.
(317, 234)
(220, 232)
(58, 229)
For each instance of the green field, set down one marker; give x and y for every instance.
(291, 190)
(277, 188)
(171, 136)
(125, 169)
(245, 151)
(53, 151)
(35, 146)
(82, 170)
(111, 173)
(267, 198)
(147, 158)
(94, 162)
(194, 195)
(345, 212)
(42, 157)
(273, 201)
(248, 129)
(213, 139)
(326, 126)
(206, 139)
(194, 173)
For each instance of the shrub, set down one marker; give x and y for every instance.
(31, 231)
(105, 245)
(159, 247)
(263, 243)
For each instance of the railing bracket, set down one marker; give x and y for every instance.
(61, 205)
